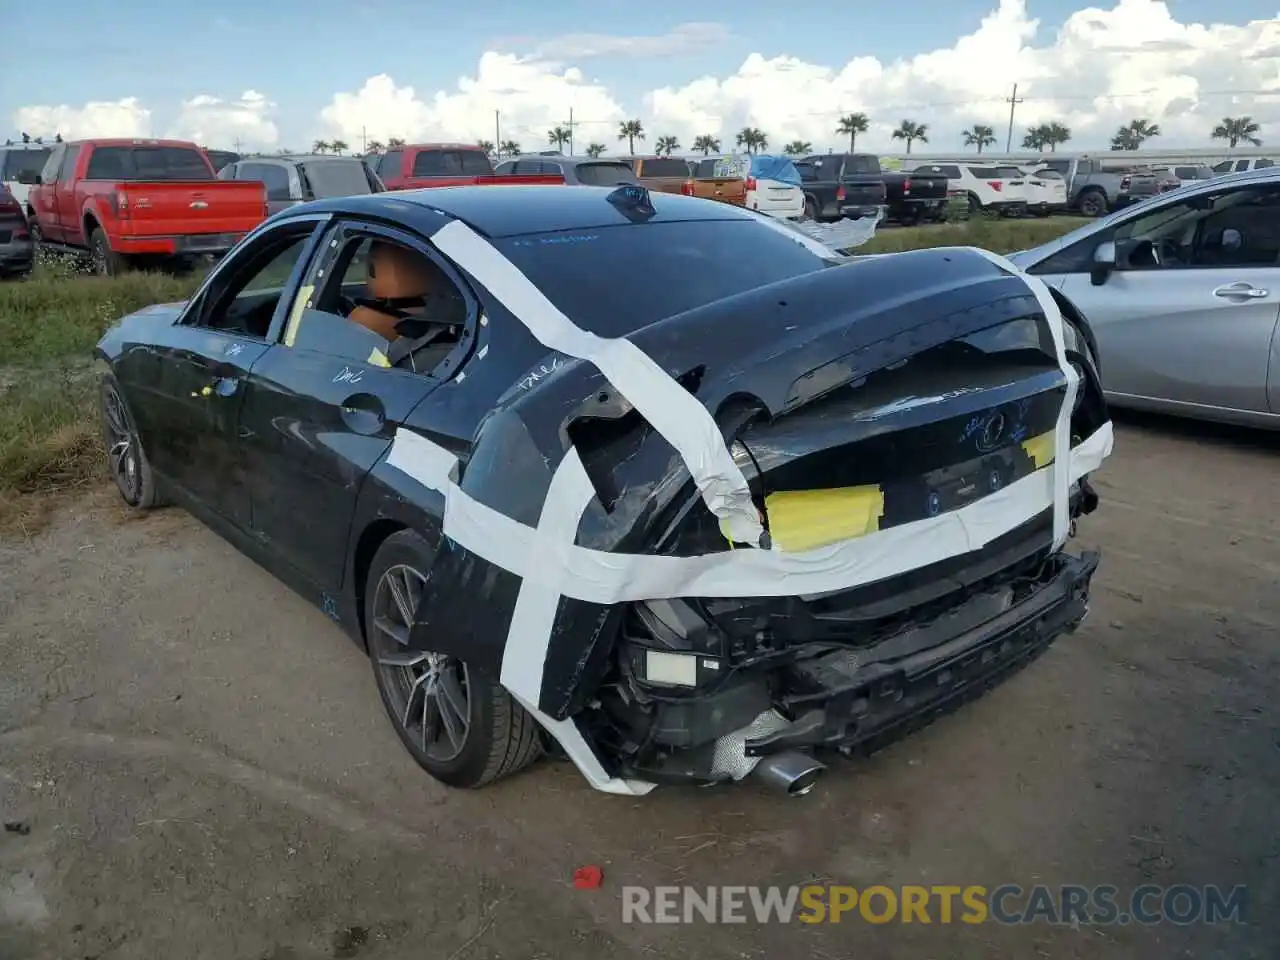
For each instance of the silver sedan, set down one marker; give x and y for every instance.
(1183, 294)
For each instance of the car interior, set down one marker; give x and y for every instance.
(1236, 229)
(246, 306)
(401, 295)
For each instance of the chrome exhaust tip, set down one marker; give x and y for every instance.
(793, 773)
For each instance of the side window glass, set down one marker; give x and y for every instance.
(1242, 165)
(50, 172)
(1264, 162)
(383, 302)
(389, 165)
(1244, 233)
(245, 299)
(69, 164)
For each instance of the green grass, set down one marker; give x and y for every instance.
(49, 429)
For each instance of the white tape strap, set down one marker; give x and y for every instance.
(669, 408)
(544, 557)
(1062, 431)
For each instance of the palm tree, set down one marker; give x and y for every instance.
(395, 142)
(509, 147)
(707, 144)
(979, 135)
(1054, 135)
(559, 136)
(320, 146)
(631, 131)
(664, 145)
(1236, 129)
(375, 146)
(911, 131)
(852, 124)
(752, 139)
(1134, 134)
(797, 148)
(486, 146)
(337, 146)
(1035, 138)
(595, 149)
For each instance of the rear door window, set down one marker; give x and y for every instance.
(1010, 173)
(14, 163)
(1242, 165)
(1264, 162)
(985, 173)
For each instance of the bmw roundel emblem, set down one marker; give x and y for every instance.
(935, 504)
(992, 431)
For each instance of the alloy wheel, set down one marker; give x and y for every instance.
(122, 447)
(431, 692)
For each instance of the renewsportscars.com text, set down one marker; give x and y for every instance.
(1181, 904)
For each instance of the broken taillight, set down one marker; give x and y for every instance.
(686, 189)
(840, 194)
(751, 183)
(996, 185)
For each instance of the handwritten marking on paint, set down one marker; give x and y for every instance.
(347, 375)
(234, 349)
(543, 371)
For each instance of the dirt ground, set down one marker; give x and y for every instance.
(194, 763)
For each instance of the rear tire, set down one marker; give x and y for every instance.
(427, 694)
(1093, 203)
(810, 209)
(127, 461)
(106, 263)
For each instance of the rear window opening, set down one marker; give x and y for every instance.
(19, 162)
(664, 167)
(148, 164)
(339, 177)
(607, 174)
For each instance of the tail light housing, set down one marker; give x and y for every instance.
(996, 185)
(120, 204)
(840, 194)
(686, 189)
(1124, 183)
(906, 186)
(751, 183)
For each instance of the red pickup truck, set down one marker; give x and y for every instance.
(418, 165)
(125, 202)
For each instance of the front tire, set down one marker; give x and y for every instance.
(461, 727)
(1093, 203)
(127, 461)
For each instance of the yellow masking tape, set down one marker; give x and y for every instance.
(295, 315)
(1040, 449)
(804, 519)
(378, 358)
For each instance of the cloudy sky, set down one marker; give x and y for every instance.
(270, 74)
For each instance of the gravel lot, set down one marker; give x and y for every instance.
(194, 763)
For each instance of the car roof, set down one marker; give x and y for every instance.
(514, 211)
(299, 158)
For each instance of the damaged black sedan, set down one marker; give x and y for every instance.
(650, 481)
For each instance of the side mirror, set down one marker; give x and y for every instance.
(1104, 261)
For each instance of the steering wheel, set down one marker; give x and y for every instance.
(346, 305)
(1167, 252)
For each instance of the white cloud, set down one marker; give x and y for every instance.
(97, 118)
(1093, 75)
(682, 39)
(532, 96)
(214, 122)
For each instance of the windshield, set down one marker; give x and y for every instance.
(615, 280)
(336, 178)
(664, 167)
(19, 162)
(148, 164)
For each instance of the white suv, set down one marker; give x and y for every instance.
(20, 164)
(1002, 190)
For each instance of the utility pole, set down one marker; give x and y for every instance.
(237, 145)
(571, 131)
(1013, 102)
(497, 134)
(364, 140)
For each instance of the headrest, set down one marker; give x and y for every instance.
(396, 272)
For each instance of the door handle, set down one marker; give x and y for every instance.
(1241, 291)
(221, 386)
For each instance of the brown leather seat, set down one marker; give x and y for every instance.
(399, 276)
